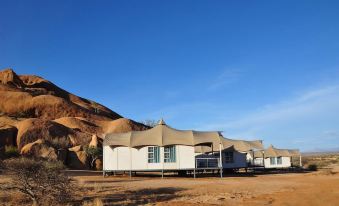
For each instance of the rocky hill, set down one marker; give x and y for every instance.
(41, 119)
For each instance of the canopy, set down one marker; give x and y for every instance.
(163, 135)
(274, 152)
(243, 145)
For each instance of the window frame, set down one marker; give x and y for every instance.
(273, 160)
(170, 154)
(279, 160)
(229, 157)
(153, 154)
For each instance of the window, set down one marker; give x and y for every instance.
(273, 160)
(153, 154)
(279, 160)
(169, 154)
(228, 157)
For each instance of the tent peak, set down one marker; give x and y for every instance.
(161, 122)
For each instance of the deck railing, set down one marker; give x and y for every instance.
(209, 162)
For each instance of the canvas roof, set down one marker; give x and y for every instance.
(271, 151)
(163, 135)
(243, 145)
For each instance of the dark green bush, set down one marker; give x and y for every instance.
(312, 167)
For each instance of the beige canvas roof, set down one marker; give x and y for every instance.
(163, 135)
(243, 145)
(274, 152)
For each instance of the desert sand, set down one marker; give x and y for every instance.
(313, 188)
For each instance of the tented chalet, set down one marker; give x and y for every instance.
(274, 158)
(163, 148)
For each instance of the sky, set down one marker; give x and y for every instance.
(253, 69)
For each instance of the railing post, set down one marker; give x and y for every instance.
(195, 165)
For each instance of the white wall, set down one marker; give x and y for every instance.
(119, 158)
(286, 162)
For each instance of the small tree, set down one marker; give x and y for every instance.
(93, 153)
(150, 122)
(42, 181)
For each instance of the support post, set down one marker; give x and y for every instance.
(263, 158)
(130, 162)
(253, 159)
(220, 160)
(300, 162)
(163, 160)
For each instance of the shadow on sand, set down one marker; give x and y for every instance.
(138, 197)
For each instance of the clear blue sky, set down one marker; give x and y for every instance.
(253, 69)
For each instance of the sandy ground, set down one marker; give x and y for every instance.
(317, 188)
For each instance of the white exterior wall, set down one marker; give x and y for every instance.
(286, 162)
(125, 158)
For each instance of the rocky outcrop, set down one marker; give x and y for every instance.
(46, 121)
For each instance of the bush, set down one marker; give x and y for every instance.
(312, 167)
(11, 151)
(41, 181)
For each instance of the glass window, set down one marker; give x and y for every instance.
(169, 154)
(228, 157)
(279, 160)
(153, 154)
(273, 160)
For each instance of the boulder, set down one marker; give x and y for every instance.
(39, 149)
(77, 158)
(94, 141)
(98, 164)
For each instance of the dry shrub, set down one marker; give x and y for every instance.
(41, 181)
(312, 167)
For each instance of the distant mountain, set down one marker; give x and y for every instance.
(42, 119)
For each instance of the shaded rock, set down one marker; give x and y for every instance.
(77, 159)
(76, 148)
(62, 155)
(39, 149)
(30, 130)
(8, 135)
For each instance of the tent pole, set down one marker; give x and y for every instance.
(220, 160)
(253, 159)
(163, 160)
(263, 159)
(130, 155)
